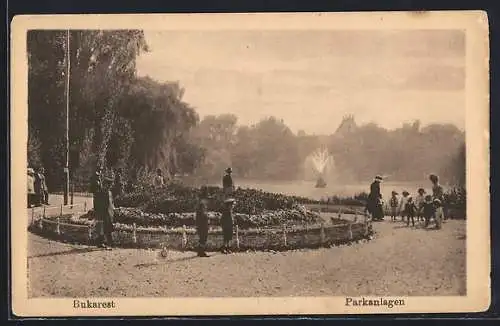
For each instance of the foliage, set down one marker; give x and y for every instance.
(176, 198)
(116, 120)
(266, 219)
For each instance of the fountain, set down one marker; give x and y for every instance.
(320, 160)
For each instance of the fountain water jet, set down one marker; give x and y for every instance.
(321, 159)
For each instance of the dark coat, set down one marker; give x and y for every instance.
(227, 223)
(374, 205)
(201, 217)
(105, 208)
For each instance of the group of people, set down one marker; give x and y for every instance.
(423, 208)
(38, 192)
(227, 220)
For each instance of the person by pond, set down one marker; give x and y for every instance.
(227, 225)
(227, 183)
(202, 222)
(374, 206)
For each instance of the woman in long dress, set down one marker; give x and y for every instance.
(375, 200)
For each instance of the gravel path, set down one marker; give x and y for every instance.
(400, 261)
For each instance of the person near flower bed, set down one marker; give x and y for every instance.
(202, 222)
(374, 205)
(104, 209)
(227, 183)
(227, 225)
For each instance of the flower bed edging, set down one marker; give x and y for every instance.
(187, 239)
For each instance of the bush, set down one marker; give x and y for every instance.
(177, 198)
(265, 219)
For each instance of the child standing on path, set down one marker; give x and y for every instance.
(402, 205)
(428, 209)
(438, 213)
(419, 202)
(411, 211)
(393, 203)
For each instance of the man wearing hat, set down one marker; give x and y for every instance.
(202, 222)
(227, 224)
(375, 200)
(227, 183)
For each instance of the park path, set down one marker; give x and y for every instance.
(80, 204)
(400, 261)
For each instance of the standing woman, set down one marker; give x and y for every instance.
(227, 225)
(375, 200)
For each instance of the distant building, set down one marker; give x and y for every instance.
(347, 126)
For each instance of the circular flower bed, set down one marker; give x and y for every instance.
(177, 198)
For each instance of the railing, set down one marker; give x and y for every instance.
(45, 211)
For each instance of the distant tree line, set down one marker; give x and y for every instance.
(269, 150)
(119, 120)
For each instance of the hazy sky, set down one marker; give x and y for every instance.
(312, 78)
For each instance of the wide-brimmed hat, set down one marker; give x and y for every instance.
(395, 192)
(228, 170)
(378, 178)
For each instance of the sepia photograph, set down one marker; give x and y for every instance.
(326, 163)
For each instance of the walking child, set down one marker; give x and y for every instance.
(411, 211)
(402, 205)
(393, 203)
(428, 209)
(419, 202)
(438, 213)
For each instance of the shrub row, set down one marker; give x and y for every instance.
(288, 217)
